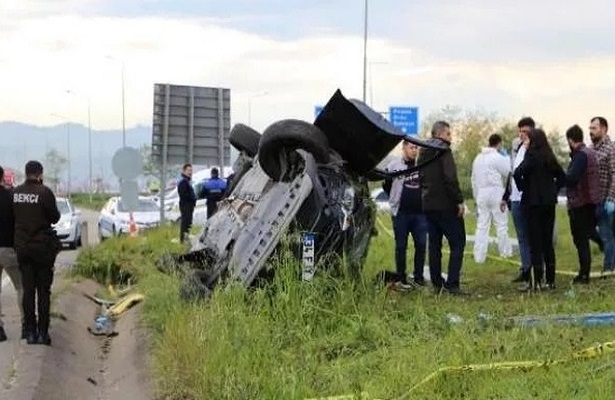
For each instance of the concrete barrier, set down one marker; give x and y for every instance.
(85, 234)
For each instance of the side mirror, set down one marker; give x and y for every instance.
(112, 212)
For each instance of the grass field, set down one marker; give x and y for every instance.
(294, 340)
(82, 200)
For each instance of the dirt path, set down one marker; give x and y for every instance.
(78, 365)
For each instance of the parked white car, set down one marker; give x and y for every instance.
(114, 218)
(171, 198)
(381, 199)
(68, 228)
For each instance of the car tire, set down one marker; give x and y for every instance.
(193, 286)
(72, 245)
(282, 138)
(245, 139)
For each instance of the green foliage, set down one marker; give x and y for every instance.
(335, 336)
(54, 163)
(95, 201)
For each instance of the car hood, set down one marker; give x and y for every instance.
(360, 135)
(149, 217)
(64, 218)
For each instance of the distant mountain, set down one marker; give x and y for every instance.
(22, 142)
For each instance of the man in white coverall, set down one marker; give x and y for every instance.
(490, 170)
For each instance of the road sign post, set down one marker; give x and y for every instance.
(405, 119)
(191, 125)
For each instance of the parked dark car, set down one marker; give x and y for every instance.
(306, 182)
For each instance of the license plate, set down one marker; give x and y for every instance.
(308, 256)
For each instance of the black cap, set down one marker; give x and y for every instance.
(34, 168)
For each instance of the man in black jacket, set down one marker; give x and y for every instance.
(37, 246)
(444, 207)
(8, 258)
(187, 201)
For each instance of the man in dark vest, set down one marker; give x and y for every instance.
(583, 197)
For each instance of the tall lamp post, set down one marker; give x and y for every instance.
(123, 101)
(68, 184)
(250, 104)
(365, 53)
(90, 184)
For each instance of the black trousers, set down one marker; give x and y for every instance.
(582, 225)
(37, 266)
(540, 220)
(185, 223)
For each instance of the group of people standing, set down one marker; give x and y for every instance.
(429, 204)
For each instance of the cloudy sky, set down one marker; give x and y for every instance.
(550, 59)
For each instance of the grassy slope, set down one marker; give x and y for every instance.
(333, 337)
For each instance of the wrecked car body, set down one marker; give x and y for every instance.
(305, 182)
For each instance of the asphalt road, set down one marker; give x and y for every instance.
(21, 365)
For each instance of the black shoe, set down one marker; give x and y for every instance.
(3, 337)
(419, 281)
(24, 331)
(580, 279)
(31, 338)
(45, 339)
(548, 286)
(455, 291)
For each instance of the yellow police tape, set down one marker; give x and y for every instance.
(585, 354)
(124, 304)
(601, 274)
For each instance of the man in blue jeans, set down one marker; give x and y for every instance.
(605, 149)
(512, 198)
(444, 208)
(407, 213)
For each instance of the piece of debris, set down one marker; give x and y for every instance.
(92, 381)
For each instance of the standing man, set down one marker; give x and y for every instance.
(583, 196)
(512, 197)
(490, 170)
(444, 207)
(187, 201)
(8, 258)
(407, 213)
(598, 132)
(37, 246)
(213, 191)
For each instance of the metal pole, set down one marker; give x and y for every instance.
(165, 149)
(123, 110)
(365, 53)
(68, 149)
(90, 186)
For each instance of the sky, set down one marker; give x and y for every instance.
(549, 59)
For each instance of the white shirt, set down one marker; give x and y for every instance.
(489, 170)
(515, 194)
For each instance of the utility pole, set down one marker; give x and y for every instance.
(90, 187)
(365, 54)
(123, 109)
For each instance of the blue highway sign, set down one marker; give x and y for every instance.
(405, 118)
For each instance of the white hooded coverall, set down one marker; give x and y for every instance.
(490, 170)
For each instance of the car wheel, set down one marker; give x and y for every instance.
(280, 140)
(72, 245)
(245, 139)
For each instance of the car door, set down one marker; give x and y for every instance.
(106, 217)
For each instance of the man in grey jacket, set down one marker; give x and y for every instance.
(407, 213)
(444, 207)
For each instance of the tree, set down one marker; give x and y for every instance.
(55, 163)
(560, 147)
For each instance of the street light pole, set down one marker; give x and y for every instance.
(68, 151)
(123, 109)
(90, 148)
(365, 53)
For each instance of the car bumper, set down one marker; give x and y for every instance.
(67, 235)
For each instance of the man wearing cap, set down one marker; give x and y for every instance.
(213, 191)
(37, 246)
(8, 258)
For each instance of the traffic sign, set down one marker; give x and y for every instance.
(405, 118)
(317, 111)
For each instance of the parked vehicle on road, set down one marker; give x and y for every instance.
(114, 218)
(68, 228)
(305, 182)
